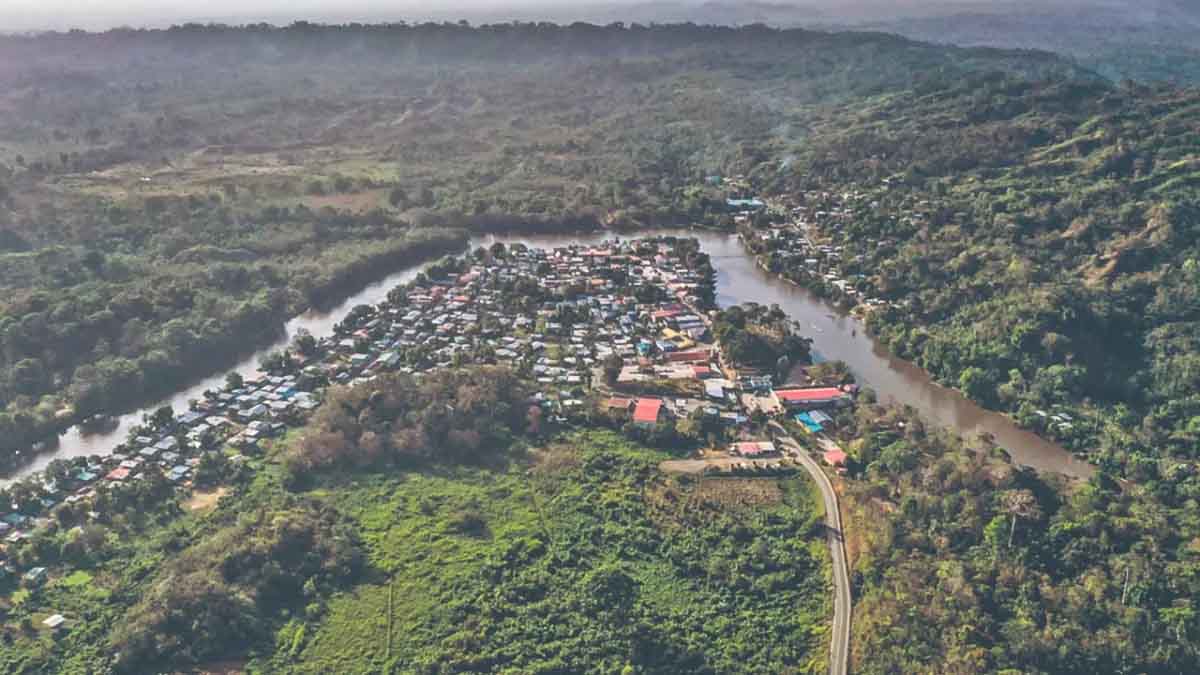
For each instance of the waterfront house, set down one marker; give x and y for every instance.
(814, 397)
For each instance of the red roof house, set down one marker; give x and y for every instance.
(693, 356)
(647, 411)
(835, 457)
(818, 396)
(118, 474)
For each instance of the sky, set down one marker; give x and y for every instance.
(19, 15)
(29, 15)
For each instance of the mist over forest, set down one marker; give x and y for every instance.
(1153, 40)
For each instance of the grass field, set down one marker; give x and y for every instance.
(491, 570)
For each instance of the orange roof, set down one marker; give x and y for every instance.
(809, 395)
(835, 457)
(647, 410)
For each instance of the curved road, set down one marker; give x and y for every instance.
(839, 644)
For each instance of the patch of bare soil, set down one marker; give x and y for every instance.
(555, 459)
(738, 492)
(202, 501)
(357, 202)
(719, 463)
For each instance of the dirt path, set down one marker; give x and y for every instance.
(722, 463)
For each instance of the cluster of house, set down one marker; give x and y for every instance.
(806, 243)
(238, 415)
(561, 317)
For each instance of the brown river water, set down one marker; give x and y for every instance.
(835, 336)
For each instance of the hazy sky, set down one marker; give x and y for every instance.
(23, 15)
(32, 14)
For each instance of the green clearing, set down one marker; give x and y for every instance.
(595, 564)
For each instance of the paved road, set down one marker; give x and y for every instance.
(839, 644)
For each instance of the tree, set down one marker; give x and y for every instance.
(1019, 504)
(211, 469)
(163, 417)
(305, 343)
(976, 384)
(234, 380)
(398, 198)
(427, 197)
(613, 363)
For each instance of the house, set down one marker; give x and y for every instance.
(753, 204)
(54, 621)
(836, 458)
(810, 424)
(692, 356)
(754, 449)
(36, 576)
(820, 418)
(118, 474)
(189, 418)
(254, 412)
(647, 412)
(815, 397)
(617, 404)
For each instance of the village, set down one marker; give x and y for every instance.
(621, 333)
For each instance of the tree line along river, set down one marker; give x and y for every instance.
(835, 336)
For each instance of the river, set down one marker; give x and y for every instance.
(835, 336)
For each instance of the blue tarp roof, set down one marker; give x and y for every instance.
(809, 423)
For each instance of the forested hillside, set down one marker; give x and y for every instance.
(1039, 242)
(1036, 246)
(964, 564)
